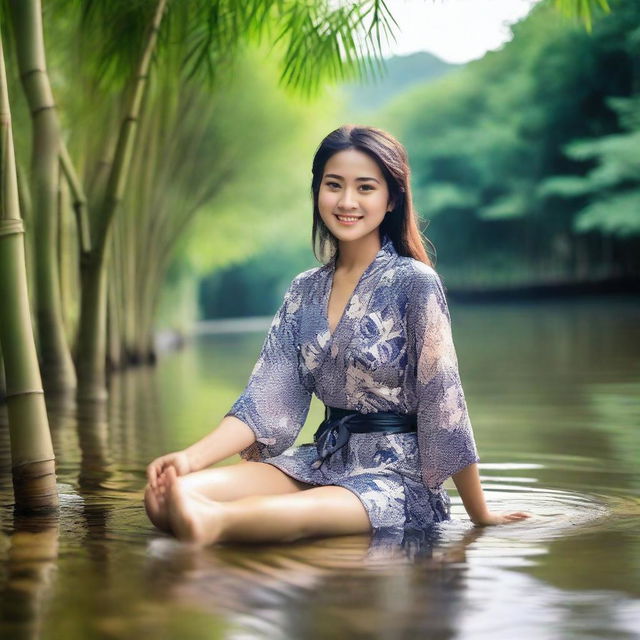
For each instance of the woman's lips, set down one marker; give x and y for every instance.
(348, 222)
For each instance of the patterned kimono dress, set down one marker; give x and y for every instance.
(392, 350)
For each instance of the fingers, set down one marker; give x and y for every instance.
(171, 475)
(504, 518)
(155, 471)
(161, 486)
(518, 515)
(164, 479)
(151, 476)
(158, 467)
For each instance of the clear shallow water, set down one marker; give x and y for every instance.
(554, 396)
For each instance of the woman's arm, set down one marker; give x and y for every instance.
(467, 483)
(275, 401)
(230, 437)
(271, 410)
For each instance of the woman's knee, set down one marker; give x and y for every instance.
(350, 513)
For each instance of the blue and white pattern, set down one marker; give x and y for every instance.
(392, 350)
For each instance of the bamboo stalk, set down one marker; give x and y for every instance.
(115, 356)
(92, 336)
(57, 365)
(32, 456)
(79, 199)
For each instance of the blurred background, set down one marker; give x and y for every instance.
(166, 201)
(522, 133)
(521, 126)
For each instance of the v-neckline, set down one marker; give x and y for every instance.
(329, 289)
(332, 274)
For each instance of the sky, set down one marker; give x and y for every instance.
(454, 30)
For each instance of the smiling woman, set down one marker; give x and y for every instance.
(335, 183)
(369, 334)
(353, 194)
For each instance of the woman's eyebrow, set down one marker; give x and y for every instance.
(335, 175)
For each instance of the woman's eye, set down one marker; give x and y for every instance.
(366, 187)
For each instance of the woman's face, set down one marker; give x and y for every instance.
(354, 188)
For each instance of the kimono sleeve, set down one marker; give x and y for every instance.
(445, 436)
(275, 402)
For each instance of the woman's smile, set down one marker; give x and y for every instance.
(347, 220)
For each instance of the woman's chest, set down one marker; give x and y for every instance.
(342, 290)
(369, 333)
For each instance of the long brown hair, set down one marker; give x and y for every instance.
(401, 223)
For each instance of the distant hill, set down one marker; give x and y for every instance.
(402, 72)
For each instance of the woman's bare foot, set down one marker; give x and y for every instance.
(156, 507)
(192, 518)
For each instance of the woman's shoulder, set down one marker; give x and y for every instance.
(305, 277)
(416, 275)
(422, 285)
(307, 274)
(301, 283)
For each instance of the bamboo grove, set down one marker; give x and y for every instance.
(113, 107)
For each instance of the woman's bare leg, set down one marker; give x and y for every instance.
(320, 511)
(240, 480)
(222, 484)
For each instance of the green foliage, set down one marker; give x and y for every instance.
(507, 158)
(255, 287)
(266, 203)
(510, 205)
(616, 214)
(214, 136)
(613, 182)
(532, 146)
(582, 9)
(317, 41)
(261, 215)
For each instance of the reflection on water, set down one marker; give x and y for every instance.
(553, 395)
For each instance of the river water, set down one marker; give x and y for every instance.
(553, 390)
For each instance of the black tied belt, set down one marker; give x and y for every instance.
(338, 424)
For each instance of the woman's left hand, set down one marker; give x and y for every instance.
(501, 518)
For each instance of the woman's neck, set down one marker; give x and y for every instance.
(356, 255)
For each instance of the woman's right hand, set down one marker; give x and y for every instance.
(178, 460)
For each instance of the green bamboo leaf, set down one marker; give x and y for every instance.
(582, 10)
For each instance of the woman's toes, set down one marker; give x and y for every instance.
(191, 519)
(156, 510)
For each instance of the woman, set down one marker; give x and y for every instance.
(369, 333)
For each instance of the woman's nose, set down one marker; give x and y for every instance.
(348, 200)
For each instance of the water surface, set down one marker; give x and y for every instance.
(553, 390)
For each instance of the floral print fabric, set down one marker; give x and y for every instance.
(392, 350)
